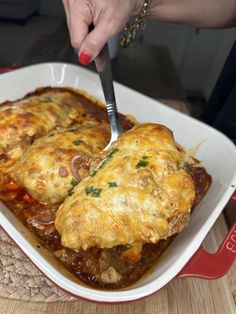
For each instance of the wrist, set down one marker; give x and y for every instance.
(137, 24)
(138, 4)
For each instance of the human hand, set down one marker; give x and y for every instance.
(108, 17)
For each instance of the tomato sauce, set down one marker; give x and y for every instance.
(89, 266)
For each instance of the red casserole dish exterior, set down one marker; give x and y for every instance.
(202, 264)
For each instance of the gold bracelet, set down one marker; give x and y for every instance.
(139, 24)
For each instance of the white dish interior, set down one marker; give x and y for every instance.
(217, 153)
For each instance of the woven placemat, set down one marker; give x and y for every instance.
(21, 280)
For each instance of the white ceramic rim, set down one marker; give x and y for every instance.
(132, 293)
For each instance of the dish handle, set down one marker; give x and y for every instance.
(212, 266)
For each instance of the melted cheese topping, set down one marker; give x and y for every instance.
(24, 120)
(137, 194)
(55, 163)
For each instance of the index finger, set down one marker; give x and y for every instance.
(79, 20)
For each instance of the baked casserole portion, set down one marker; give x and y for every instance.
(138, 193)
(52, 166)
(107, 216)
(38, 113)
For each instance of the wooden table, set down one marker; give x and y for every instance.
(183, 296)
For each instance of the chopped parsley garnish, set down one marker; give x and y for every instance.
(95, 192)
(77, 142)
(73, 183)
(141, 164)
(112, 184)
(89, 190)
(104, 162)
(93, 174)
(70, 191)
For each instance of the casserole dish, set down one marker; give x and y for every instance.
(215, 150)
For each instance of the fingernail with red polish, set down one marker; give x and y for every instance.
(84, 58)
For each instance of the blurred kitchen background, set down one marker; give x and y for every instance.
(198, 55)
